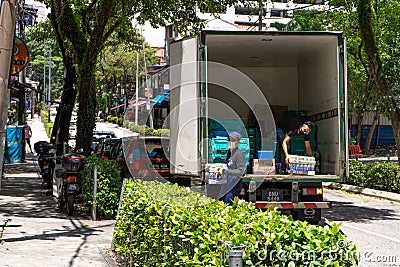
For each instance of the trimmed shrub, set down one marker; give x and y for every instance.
(47, 125)
(108, 186)
(379, 175)
(161, 132)
(166, 225)
(120, 121)
(114, 120)
(126, 124)
(357, 173)
(148, 131)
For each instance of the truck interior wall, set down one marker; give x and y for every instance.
(318, 92)
(278, 85)
(301, 73)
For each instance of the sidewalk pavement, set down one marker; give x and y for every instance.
(363, 191)
(40, 235)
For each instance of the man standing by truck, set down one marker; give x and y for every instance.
(236, 165)
(292, 127)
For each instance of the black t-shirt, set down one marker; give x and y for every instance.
(290, 127)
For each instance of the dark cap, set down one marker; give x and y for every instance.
(235, 136)
(309, 124)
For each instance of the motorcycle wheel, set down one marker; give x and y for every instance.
(61, 203)
(49, 181)
(70, 205)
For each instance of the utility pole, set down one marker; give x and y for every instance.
(260, 15)
(7, 32)
(137, 89)
(49, 87)
(147, 86)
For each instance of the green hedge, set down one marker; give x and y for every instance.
(166, 225)
(378, 175)
(47, 125)
(108, 186)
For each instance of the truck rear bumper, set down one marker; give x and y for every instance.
(291, 205)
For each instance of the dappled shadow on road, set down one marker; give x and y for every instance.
(350, 212)
(77, 231)
(29, 166)
(24, 199)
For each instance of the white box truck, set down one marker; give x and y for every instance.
(253, 78)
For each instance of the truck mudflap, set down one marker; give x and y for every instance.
(291, 205)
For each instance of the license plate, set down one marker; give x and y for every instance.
(272, 195)
(72, 187)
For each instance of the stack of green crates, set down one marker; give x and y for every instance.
(218, 149)
(224, 125)
(254, 143)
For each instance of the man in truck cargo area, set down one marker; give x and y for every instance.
(292, 127)
(236, 166)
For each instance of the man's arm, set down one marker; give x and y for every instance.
(308, 148)
(285, 142)
(239, 164)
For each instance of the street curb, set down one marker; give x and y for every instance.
(109, 260)
(363, 191)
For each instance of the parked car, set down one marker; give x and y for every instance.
(147, 157)
(98, 135)
(72, 129)
(104, 146)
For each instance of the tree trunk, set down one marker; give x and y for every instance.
(68, 97)
(86, 111)
(394, 117)
(360, 117)
(371, 133)
(60, 131)
(364, 12)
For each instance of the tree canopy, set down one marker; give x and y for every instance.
(85, 26)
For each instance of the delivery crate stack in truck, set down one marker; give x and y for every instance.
(246, 82)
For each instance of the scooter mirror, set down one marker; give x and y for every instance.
(79, 150)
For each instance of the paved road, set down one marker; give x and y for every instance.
(119, 131)
(372, 224)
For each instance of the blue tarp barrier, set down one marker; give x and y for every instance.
(14, 144)
(385, 137)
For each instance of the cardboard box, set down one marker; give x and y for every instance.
(264, 167)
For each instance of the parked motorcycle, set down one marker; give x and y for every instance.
(46, 161)
(69, 188)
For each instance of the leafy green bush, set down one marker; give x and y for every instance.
(161, 132)
(126, 124)
(114, 120)
(108, 186)
(120, 121)
(383, 175)
(148, 130)
(377, 175)
(167, 225)
(357, 173)
(47, 125)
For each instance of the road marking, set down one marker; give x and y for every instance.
(372, 233)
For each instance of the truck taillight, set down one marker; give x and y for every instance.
(312, 191)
